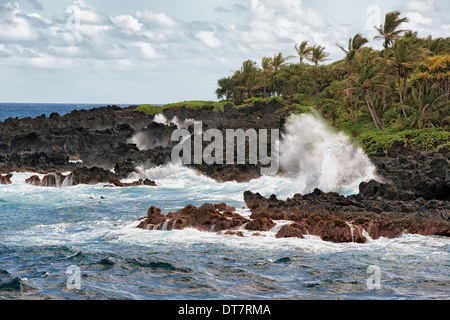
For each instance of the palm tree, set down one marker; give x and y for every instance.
(266, 69)
(247, 78)
(366, 74)
(438, 45)
(279, 61)
(252, 83)
(425, 104)
(303, 50)
(318, 54)
(405, 52)
(388, 32)
(248, 66)
(354, 44)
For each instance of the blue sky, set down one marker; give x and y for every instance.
(137, 51)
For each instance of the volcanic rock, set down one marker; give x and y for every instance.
(204, 218)
(370, 214)
(5, 179)
(140, 182)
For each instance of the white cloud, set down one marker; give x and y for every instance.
(14, 26)
(127, 22)
(39, 17)
(416, 18)
(159, 18)
(416, 21)
(277, 25)
(46, 61)
(147, 51)
(421, 5)
(208, 38)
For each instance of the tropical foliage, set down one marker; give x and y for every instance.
(406, 85)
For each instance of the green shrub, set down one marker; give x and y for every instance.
(150, 109)
(430, 140)
(194, 104)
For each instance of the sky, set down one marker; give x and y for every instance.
(163, 51)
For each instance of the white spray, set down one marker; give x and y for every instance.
(144, 142)
(317, 156)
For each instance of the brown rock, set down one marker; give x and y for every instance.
(204, 218)
(380, 211)
(33, 180)
(140, 182)
(5, 179)
(154, 216)
(224, 207)
(290, 231)
(260, 224)
(235, 233)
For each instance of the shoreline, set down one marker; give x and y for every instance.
(415, 192)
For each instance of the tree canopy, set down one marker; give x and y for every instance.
(406, 84)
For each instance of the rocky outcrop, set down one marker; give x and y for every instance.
(97, 137)
(92, 175)
(5, 179)
(422, 174)
(50, 180)
(378, 211)
(208, 217)
(121, 139)
(140, 182)
(84, 175)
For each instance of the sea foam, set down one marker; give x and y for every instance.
(317, 156)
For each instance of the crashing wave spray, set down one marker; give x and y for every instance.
(160, 118)
(316, 156)
(144, 141)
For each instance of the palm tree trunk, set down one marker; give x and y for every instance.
(404, 84)
(401, 95)
(264, 79)
(369, 103)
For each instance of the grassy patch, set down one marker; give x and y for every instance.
(150, 109)
(194, 104)
(430, 140)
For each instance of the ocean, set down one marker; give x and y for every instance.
(81, 242)
(22, 110)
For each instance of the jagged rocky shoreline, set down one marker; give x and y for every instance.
(105, 145)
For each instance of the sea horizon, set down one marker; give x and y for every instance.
(36, 109)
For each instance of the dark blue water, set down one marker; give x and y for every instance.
(22, 110)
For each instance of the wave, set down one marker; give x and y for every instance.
(316, 156)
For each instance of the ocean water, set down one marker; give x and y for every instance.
(22, 110)
(46, 233)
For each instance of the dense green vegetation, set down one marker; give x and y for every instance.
(399, 93)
